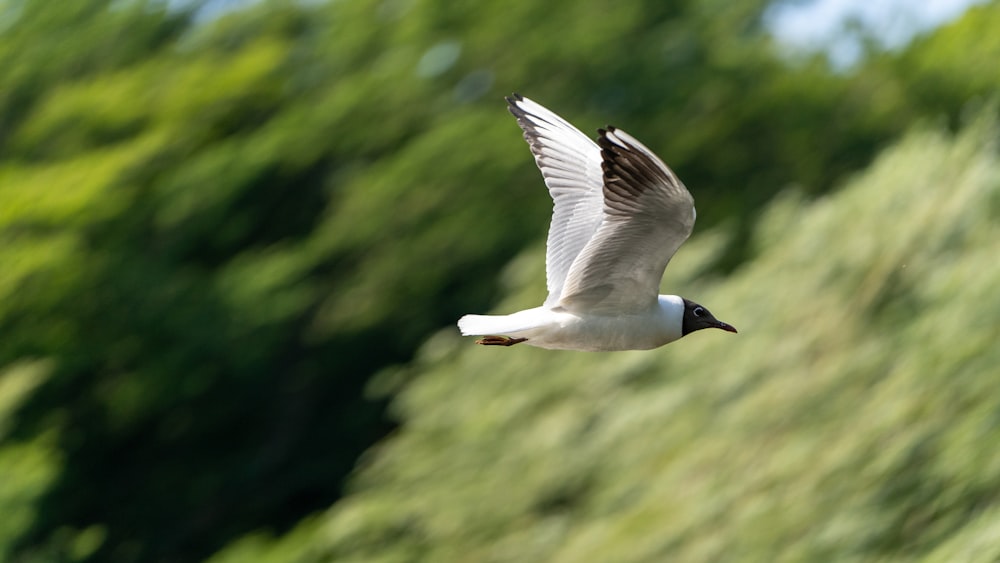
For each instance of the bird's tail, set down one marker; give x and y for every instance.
(480, 325)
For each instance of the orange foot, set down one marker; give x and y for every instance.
(499, 341)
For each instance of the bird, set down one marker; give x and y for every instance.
(619, 215)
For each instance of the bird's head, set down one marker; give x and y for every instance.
(697, 317)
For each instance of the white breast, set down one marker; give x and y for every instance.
(644, 330)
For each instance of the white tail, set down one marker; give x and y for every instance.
(480, 325)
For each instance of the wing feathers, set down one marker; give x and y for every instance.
(570, 163)
(648, 214)
(619, 213)
(632, 171)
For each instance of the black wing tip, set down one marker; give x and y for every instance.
(606, 130)
(607, 151)
(512, 101)
(602, 138)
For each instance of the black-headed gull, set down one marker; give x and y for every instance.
(619, 215)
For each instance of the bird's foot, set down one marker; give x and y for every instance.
(499, 341)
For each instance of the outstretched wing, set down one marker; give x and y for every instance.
(647, 215)
(571, 166)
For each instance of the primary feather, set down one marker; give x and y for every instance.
(571, 167)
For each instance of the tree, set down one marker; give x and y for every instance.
(217, 232)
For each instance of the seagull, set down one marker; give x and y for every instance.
(619, 215)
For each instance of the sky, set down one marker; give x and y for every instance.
(819, 24)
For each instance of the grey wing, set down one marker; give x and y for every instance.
(571, 166)
(647, 215)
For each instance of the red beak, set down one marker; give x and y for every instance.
(726, 327)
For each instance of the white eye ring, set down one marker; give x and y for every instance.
(699, 311)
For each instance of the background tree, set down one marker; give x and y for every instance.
(217, 231)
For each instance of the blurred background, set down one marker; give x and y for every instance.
(235, 237)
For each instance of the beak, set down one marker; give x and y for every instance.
(726, 327)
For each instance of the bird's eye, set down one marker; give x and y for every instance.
(698, 311)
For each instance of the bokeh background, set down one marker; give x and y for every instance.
(235, 236)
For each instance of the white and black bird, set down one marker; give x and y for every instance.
(619, 215)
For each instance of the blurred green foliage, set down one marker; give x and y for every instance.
(215, 231)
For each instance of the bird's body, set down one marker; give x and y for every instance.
(559, 329)
(619, 215)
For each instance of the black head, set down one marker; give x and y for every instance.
(697, 317)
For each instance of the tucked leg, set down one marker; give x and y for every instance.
(499, 341)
